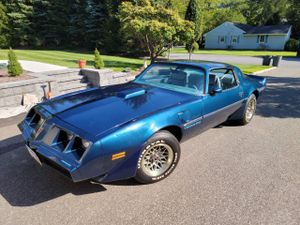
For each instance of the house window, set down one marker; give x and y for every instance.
(234, 39)
(222, 39)
(261, 38)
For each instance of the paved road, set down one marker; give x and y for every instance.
(287, 62)
(229, 175)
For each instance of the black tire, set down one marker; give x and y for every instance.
(245, 119)
(162, 141)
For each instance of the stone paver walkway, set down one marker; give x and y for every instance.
(37, 67)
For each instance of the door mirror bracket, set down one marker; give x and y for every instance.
(215, 90)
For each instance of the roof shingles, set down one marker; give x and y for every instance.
(271, 29)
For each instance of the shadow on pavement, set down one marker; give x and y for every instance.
(281, 98)
(295, 58)
(11, 144)
(24, 183)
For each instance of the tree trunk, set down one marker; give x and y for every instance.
(152, 57)
(298, 52)
(169, 53)
(190, 56)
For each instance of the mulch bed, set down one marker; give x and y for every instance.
(4, 76)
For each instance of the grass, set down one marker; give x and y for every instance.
(248, 69)
(237, 52)
(69, 59)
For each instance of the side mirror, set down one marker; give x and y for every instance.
(216, 89)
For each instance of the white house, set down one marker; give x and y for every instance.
(242, 36)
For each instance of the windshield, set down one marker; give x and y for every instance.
(181, 78)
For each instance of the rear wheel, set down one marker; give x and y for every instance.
(159, 158)
(249, 110)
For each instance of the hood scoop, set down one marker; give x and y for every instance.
(131, 93)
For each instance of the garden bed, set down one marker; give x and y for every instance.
(4, 76)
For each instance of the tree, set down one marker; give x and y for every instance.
(52, 22)
(103, 26)
(3, 26)
(19, 14)
(156, 27)
(98, 61)
(14, 67)
(191, 47)
(77, 23)
(266, 12)
(193, 15)
(180, 6)
(220, 11)
(293, 18)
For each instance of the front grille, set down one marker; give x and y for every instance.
(35, 121)
(64, 141)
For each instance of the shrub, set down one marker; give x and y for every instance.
(14, 67)
(98, 61)
(292, 45)
(192, 47)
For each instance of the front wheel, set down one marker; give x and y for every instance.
(158, 158)
(249, 110)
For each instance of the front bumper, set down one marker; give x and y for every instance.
(92, 165)
(45, 157)
(45, 154)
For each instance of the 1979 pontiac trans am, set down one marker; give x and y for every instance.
(134, 129)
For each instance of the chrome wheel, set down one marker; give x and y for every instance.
(157, 159)
(250, 109)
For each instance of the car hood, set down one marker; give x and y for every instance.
(100, 109)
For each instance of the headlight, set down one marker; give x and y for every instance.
(85, 143)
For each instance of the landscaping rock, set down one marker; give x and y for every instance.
(30, 99)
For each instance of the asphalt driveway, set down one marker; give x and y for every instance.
(228, 175)
(286, 62)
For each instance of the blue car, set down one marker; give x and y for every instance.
(134, 129)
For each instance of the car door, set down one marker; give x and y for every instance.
(219, 105)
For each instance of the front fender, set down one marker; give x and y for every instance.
(131, 140)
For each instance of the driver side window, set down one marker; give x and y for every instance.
(226, 78)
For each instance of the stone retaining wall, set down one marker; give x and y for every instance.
(105, 77)
(11, 94)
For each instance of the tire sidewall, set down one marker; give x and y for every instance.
(163, 137)
(252, 96)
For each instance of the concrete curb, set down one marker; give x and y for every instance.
(263, 71)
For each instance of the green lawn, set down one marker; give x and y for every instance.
(69, 59)
(237, 52)
(247, 69)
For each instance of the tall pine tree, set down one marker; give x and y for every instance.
(77, 24)
(19, 14)
(3, 27)
(193, 14)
